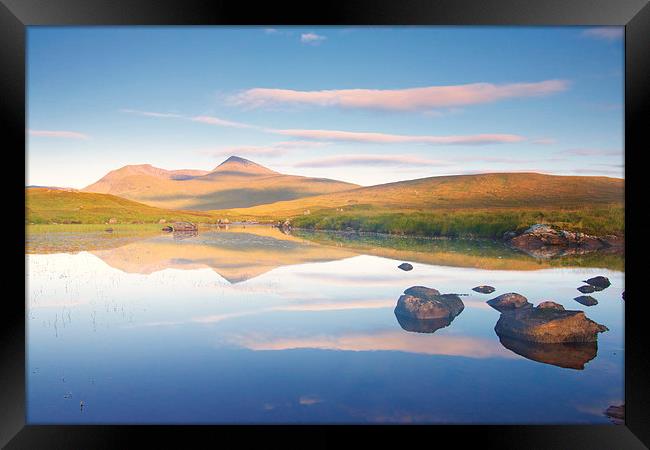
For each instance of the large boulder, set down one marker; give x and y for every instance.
(509, 301)
(184, 226)
(484, 289)
(598, 282)
(440, 306)
(548, 324)
(565, 355)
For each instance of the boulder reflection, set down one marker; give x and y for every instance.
(422, 325)
(566, 355)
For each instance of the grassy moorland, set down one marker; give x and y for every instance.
(485, 205)
(46, 206)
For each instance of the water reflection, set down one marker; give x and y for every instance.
(567, 355)
(422, 325)
(253, 325)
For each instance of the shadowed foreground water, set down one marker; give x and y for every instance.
(249, 325)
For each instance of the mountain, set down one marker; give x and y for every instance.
(482, 191)
(45, 205)
(236, 182)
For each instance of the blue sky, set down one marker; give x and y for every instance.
(367, 105)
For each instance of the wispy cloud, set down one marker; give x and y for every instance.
(371, 160)
(590, 152)
(543, 141)
(312, 38)
(221, 122)
(423, 98)
(150, 114)
(58, 134)
(271, 150)
(606, 33)
(383, 138)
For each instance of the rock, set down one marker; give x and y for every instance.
(422, 292)
(566, 355)
(586, 300)
(623, 295)
(108, 230)
(509, 301)
(550, 305)
(184, 226)
(548, 325)
(167, 229)
(509, 235)
(484, 289)
(422, 326)
(161, 221)
(431, 306)
(405, 266)
(616, 414)
(541, 238)
(112, 220)
(598, 282)
(587, 289)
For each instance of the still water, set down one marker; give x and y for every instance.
(250, 325)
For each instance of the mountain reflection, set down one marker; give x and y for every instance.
(566, 355)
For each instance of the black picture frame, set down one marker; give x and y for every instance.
(15, 15)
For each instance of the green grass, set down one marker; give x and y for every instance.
(45, 206)
(459, 223)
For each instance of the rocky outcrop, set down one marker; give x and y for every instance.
(484, 289)
(405, 266)
(548, 323)
(565, 355)
(544, 241)
(586, 300)
(598, 282)
(509, 301)
(427, 306)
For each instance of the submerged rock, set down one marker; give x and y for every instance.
(587, 289)
(586, 300)
(405, 266)
(616, 414)
(423, 304)
(599, 282)
(566, 355)
(548, 324)
(484, 289)
(509, 301)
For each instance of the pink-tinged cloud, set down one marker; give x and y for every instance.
(543, 141)
(220, 122)
(312, 38)
(423, 98)
(383, 138)
(371, 160)
(606, 33)
(271, 150)
(58, 134)
(591, 152)
(150, 113)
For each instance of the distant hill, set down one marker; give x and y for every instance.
(236, 182)
(45, 205)
(483, 191)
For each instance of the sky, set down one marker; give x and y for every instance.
(367, 105)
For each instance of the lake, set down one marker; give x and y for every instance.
(247, 324)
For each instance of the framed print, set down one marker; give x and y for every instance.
(243, 221)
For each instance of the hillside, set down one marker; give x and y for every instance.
(46, 205)
(485, 205)
(236, 182)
